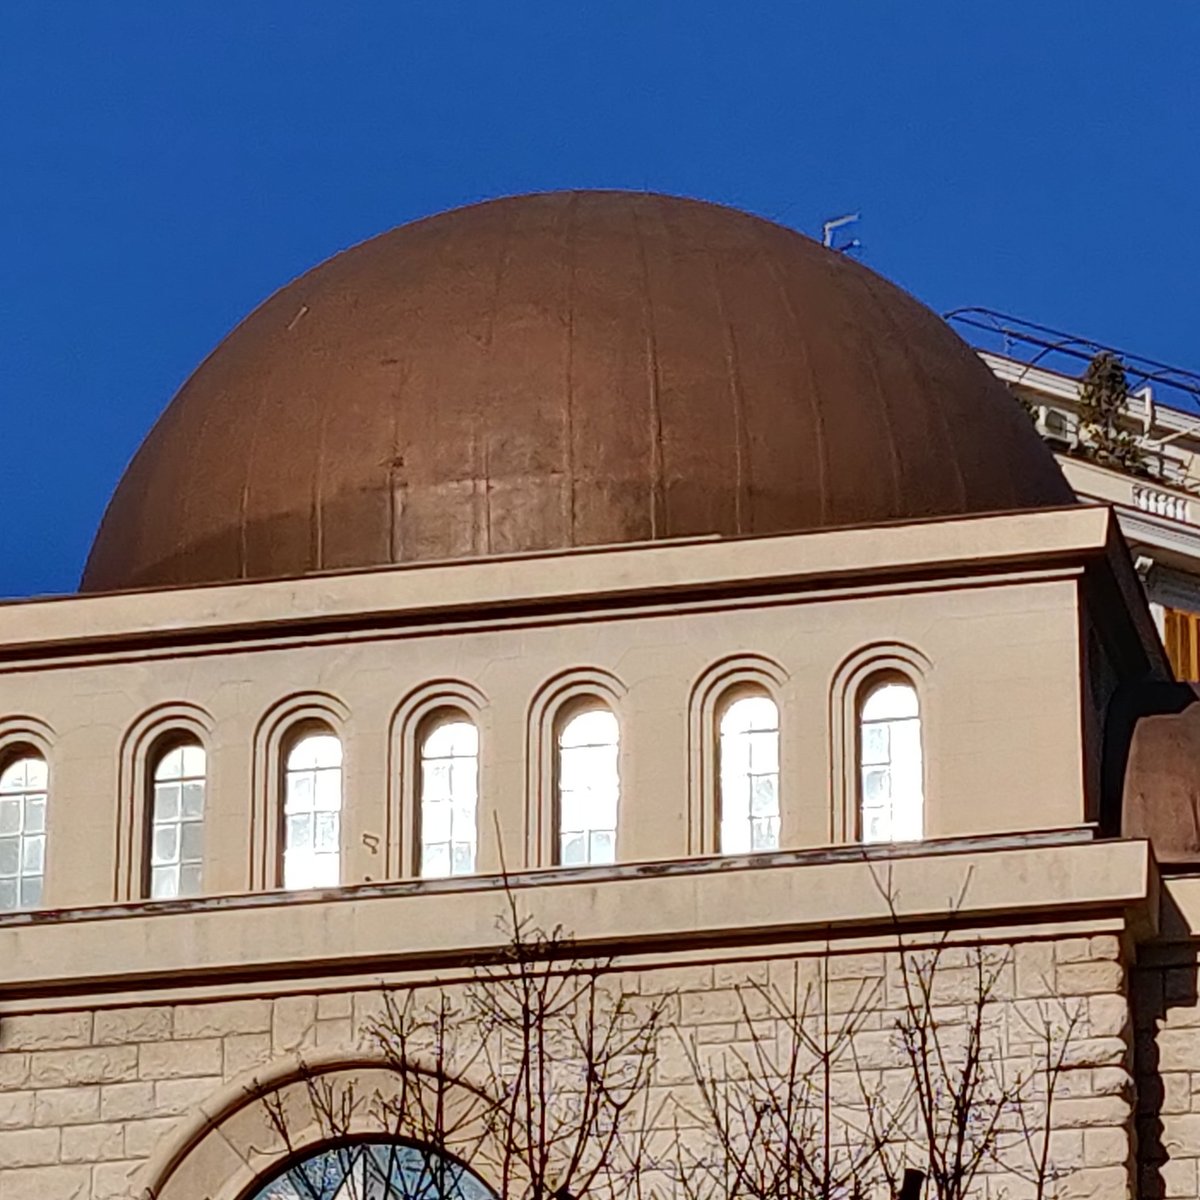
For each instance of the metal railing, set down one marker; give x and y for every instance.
(1052, 349)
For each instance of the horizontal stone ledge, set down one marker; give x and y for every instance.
(630, 909)
(462, 590)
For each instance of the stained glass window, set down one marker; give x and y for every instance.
(312, 812)
(890, 765)
(750, 775)
(449, 790)
(177, 822)
(23, 791)
(374, 1170)
(589, 788)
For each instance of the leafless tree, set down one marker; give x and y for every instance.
(795, 1111)
(536, 1069)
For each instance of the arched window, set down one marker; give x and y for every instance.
(23, 791)
(378, 1168)
(749, 795)
(891, 788)
(312, 811)
(449, 792)
(589, 787)
(177, 822)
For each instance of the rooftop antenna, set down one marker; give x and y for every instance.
(832, 226)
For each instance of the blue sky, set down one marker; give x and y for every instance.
(165, 166)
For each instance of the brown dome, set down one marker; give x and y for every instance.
(562, 370)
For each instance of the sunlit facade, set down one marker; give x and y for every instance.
(619, 596)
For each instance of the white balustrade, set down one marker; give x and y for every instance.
(1162, 504)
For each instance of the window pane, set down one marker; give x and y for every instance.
(170, 765)
(163, 883)
(312, 804)
(891, 770)
(192, 842)
(193, 800)
(464, 858)
(190, 880)
(166, 802)
(435, 860)
(573, 849)
(326, 834)
(22, 832)
(194, 765)
(166, 843)
(596, 727)
(300, 788)
(589, 788)
(888, 701)
(449, 797)
(327, 792)
(35, 814)
(177, 832)
(749, 775)
(299, 832)
(33, 855)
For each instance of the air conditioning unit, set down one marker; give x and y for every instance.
(1059, 428)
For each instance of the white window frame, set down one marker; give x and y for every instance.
(313, 786)
(891, 767)
(748, 774)
(24, 800)
(577, 792)
(448, 815)
(175, 830)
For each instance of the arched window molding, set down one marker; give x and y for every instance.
(720, 684)
(25, 807)
(411, 717)
(273, 737)
(553, 703)
(223, 1150)
(877, 661)
(139, 747)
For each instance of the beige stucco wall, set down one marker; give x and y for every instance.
(96, 708)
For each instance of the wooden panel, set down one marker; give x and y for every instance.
(1181, 634)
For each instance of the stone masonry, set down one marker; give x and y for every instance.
(86, 1096)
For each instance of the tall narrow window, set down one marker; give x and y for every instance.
(891, 773)
(449, 791)
(23, 789)
(589, 788)
(750, 775)
(312, 811)
(177, 822)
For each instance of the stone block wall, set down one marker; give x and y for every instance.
(88, 1096)
(1167, 1041)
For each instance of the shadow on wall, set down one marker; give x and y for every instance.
(1151, 789)
(1166, 1050)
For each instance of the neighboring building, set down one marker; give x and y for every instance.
(684, 573)
(1157, 508)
